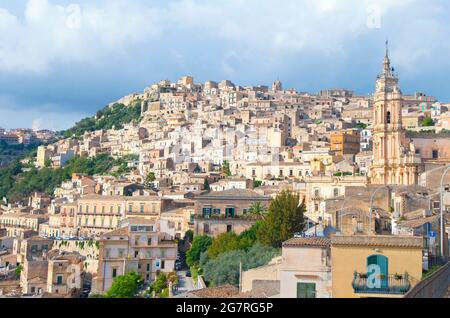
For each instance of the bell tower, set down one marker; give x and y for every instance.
(394, 159)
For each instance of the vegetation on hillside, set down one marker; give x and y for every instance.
(18, 181)
(115, 117)
(224, 269)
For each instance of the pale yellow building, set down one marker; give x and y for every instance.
(43, 154)
(139, 246)
(305, 271)
(375, 266)
(98, 214)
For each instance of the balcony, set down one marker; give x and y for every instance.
(390, 284)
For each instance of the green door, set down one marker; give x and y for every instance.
(306, 290)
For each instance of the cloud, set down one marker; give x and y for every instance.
(40, 116)
(94, 50)
(52, 33)
(90, 31)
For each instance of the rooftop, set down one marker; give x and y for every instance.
(322, 242)
(378, 241)
(233, 193)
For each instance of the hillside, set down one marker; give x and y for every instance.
(110, 117)
(19, 179)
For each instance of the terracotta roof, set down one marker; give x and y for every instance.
(225, 291)
(378, 241)
(418, 222)
(308, 242)
(119, 232)
(233, 193)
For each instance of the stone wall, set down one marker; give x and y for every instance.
(435, 286)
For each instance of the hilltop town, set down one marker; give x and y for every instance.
(138, 187)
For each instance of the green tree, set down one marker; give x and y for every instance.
(18, 270)
(428, 122)
(226, 170)
(125, 286)
(160, 283)
(206, 185)
(257, 183)
(224, 269)
(361, 126)
(199, 245)
(149, 179)
(249, 237)
(189, 236)
(258, 210)
(223, 243)
(284, 219)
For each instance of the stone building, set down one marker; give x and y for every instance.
(395, 161)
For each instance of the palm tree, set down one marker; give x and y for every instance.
(258, 210)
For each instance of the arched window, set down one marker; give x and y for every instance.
(388, 118)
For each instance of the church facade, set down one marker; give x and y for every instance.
(394, 158)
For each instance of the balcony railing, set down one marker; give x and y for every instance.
(397, 284)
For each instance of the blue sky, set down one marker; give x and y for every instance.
(63, 60)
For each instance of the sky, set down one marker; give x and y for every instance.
(61, 61)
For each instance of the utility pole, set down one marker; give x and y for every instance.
(240, 276)
(442, 210)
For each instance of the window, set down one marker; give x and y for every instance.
(141, 209)
(206, 228)
(59, 280)
(207, 212)
(114, 272)
(316, 193)
(230, 212)
(435, 154)
(130, 208)
(378, 264)
(148, 267)
(229, 228)
(163, 263)
(388, 118)
(336, 192)
(95, 209)
(306, 290)
(216, 211)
